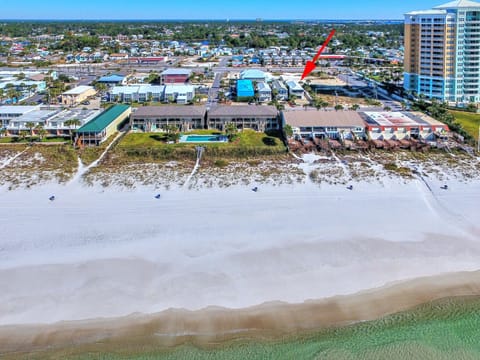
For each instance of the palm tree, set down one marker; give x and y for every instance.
(30, 126)
(231, 130)
(75, 123)
(325, 104)
(172, 132)
(23, 134)
(11, 93)
(288, 131)
(3, 132)
(40, 131)
(100, 87)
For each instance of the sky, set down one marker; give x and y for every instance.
(210, 9)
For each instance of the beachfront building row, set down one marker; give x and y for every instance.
(181, 94)
(157, 118)
(54, 120)
(343, 125)
(352, 125)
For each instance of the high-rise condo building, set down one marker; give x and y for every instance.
(442, 52)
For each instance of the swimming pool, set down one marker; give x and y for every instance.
(203, 139)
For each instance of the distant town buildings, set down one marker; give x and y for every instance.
(76, 95)
(181, 94)
(113, 79)
(175, 76)
(442, 52)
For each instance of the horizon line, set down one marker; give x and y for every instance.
(199, 19)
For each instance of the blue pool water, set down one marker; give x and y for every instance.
(203, 138)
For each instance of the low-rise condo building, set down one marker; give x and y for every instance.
(256, 117)
(158, 118)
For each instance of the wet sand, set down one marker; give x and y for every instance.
(214, 325)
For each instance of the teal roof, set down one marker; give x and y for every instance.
(252, 74)
(112, 78)
(245, 88)
(100, 122)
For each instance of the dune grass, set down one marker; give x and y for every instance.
(445, 329)
(153, 146)
(89, 154)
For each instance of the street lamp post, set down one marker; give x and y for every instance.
(478, 142)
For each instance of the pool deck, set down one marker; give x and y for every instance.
(192, 138)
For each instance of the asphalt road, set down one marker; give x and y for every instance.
(213, 92)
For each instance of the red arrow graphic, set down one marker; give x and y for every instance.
(310, 65)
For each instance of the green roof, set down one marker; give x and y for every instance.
(100, 122)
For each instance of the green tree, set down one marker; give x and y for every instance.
(355, 107)
(338, 107)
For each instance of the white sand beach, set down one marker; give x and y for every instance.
(109, 252)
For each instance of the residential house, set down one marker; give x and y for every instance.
(280, 91)
(253, 75)
(264, 92)
(77, 95)
(294, 89)
(175, 76)
(245, 89)
(113, 79)
(181, 94)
